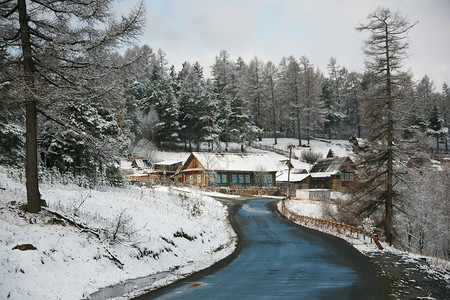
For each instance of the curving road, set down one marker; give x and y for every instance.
(280, 260)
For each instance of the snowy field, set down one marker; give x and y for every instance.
(121, 234)
(339, 147)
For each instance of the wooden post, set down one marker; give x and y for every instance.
(288, 196)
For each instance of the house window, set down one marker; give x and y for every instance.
(212, 178)
(348, 176)
(224, 178)
(247, 178)
(191, 179)
(217, 178)
(199, 179)
(269, 179)
(241, 178)
(234, 178)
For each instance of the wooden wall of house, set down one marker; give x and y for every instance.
(148, 178)
(225, 178)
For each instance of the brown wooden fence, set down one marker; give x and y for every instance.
(272, 148)
(353, 231)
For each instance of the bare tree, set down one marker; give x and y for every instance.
(273, 104)
(385, 50)
(59, 46)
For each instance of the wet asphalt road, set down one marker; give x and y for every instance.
(280, 260)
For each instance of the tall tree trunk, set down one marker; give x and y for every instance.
(274, 113)
(31, 161)
(390, 163)
(299, 133)
(358, 117)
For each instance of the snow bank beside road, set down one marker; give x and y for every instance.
(319, 210)
(127, 233)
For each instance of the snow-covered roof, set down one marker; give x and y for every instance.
(293, 177)
(329, 165)
(143, 164)
(323, 174)
(168, 162)
(235, 162)
(296, 164)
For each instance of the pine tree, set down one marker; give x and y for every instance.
(242, 128)
(385, 49)
(59, 46)
(436, 127)
(136, 79)
(188, 98)
(207, 118)
(162, 97)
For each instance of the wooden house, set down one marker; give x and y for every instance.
(235, 170)
(334, 173)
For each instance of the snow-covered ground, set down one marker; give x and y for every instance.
(122, 234)
(339, 147)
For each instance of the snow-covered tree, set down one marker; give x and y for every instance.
(60, 47)
(378, 174)
(190, 90)
(290, 92)
(207, 128)
(222, 71)
(310, 92)
(136, 78)
(242, 128)
(422, 222)
(254, 91)
(162, 98)
(436, 126)
(272, 99)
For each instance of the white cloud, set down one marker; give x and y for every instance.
(197, 30)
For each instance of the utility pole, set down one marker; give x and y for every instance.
(289, 172)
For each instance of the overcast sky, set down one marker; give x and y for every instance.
(197, 30)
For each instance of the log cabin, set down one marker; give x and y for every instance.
(231, 169)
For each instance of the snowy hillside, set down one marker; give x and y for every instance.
(339, 147)
(121, 234)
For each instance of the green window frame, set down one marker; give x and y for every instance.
(269, 179)
(247, 178)
(199, 179)
(217, 178)
(191, 179)
(233, 178)
(241, 178)
(224, 178)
